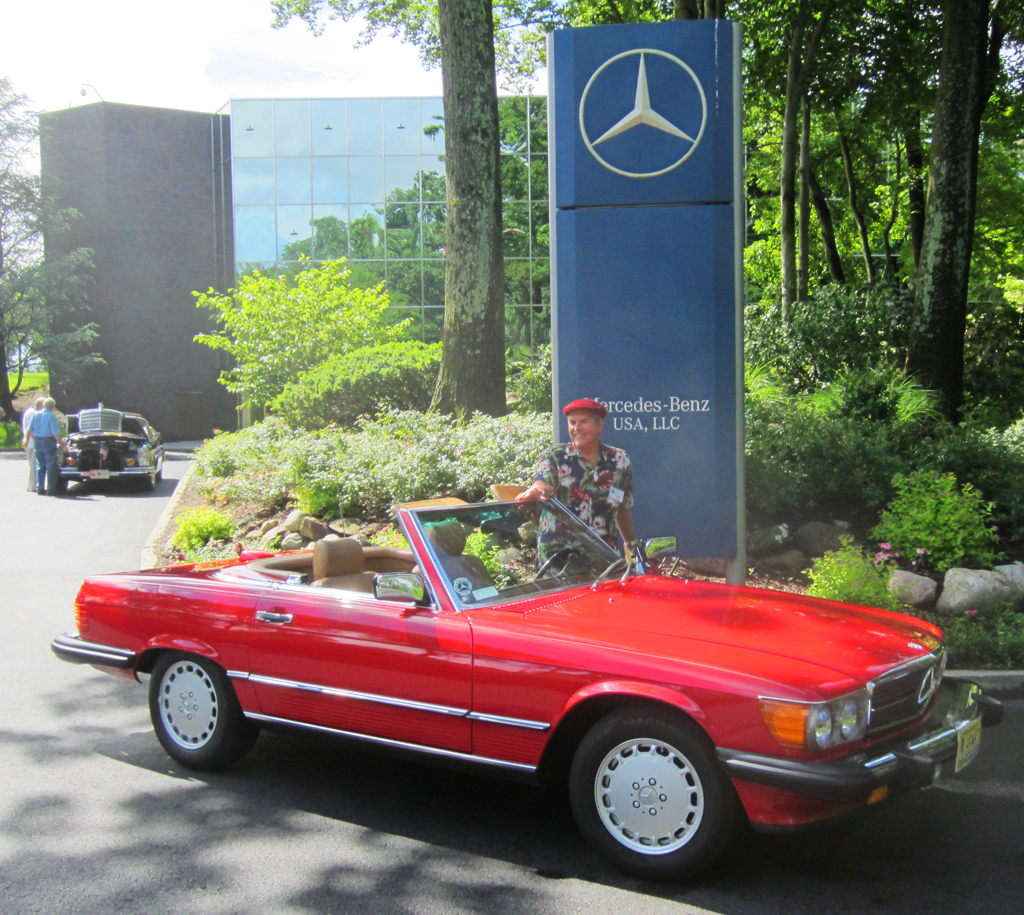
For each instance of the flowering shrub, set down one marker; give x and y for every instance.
(848, 575)
(994, 640)
(950, 526)
(198, 526)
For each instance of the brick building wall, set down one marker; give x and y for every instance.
(151, 187)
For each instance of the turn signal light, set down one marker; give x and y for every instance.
(81, 617)
(787, 722)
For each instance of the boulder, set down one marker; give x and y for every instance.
(1014, 571)
(768, 540)
(790, 561)
(712, 566)
(267, 526)
(278, 530)
(346, 528)
(313, 528)
(976, 591)
(916, 590)
(294, 520)
(817, 538)
(293, 541)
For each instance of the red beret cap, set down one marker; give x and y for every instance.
(585, 404)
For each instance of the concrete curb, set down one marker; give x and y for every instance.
(151, 551)
(1001, 684)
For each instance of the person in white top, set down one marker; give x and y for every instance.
(29, 441)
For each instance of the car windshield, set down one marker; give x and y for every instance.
(504, 551)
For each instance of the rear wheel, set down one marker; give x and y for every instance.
(648, 792)
(196, 714)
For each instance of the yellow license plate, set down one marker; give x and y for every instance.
(968, 742)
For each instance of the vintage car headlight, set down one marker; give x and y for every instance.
(817, 725)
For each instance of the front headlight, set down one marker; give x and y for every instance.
(817, 725)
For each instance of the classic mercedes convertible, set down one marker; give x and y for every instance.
(508, 637)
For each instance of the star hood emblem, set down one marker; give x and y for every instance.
(644, 113)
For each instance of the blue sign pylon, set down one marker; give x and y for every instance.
(647, 287)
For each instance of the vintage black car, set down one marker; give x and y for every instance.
(108, 444)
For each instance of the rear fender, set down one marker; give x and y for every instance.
(157, 646)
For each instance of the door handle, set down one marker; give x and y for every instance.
(268, 616)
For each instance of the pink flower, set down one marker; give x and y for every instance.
(970, 612)
(885, 546)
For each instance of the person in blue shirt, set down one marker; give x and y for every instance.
(29, 444)
(44, 433)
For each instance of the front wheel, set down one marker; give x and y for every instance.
(648, 792)
(196, 714)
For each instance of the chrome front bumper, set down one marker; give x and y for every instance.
(914, 763)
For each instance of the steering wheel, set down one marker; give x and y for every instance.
(567, 551)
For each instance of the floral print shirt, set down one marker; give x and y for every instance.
(593, 494)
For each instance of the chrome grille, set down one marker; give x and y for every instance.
(896, 696)
(99, 420)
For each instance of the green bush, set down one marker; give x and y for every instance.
(10, 435)
(994, 640)
(930, 513)
(349, 386)
(198, 526)
(252, 465)
(848, 575)
(529, 382)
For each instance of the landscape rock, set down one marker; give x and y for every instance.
(267, 526)
(278, 530)
(293, 541)
(1014, 571)
(712, 566)
(313, 528)
(294, 520)
(789, 561)
(768, 540)
(816, 538)
(346, 528)
(976, 591)
(917, 590)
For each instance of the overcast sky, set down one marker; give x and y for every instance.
(191, 54)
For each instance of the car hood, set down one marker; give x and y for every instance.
(858, 642)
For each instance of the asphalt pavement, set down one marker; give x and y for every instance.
(95, 818)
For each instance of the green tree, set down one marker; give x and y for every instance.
(39, 297)
(275, 329)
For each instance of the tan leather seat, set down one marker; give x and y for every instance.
(341, 564)
(449, 540)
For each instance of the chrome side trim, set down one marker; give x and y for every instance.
(512, 722)
(363, 697)
(237, 674)
(398, 744)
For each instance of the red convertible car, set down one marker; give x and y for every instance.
(507, 636)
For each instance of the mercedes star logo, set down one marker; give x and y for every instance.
(644, 113)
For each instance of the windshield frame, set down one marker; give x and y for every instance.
(420, 518)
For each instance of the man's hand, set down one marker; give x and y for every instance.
(537, 490)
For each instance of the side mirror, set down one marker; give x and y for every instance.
(660, 548)
(400, 586)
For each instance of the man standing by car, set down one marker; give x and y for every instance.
(594, 480)
(44, 433)
(29, 443)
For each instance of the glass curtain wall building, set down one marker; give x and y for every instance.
(364, 179)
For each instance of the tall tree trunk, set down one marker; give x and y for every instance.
(858, 216)
(828, 232)
(472, 376)
(915, 191)
(967, 68)
(805, 207)
(894, 211)
(801, 59)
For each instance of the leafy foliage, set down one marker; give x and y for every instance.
(348, 386)
(848, 575)
(276, 329)
(530, 382)
(929, 512)
(993, 640)
(198, 526)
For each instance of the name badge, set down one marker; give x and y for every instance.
(615, 496)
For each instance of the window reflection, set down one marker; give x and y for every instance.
(252, 180)
(364, 127)
(366, 179)
(365, 231)
(291, 128)
(330, 232)
(294, 233)
(328, 126)
(252, 129)
(330, 179)
(254, 233)
(401, 125)
(402, 177)
(293, 181)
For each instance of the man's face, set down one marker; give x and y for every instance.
(585, 429)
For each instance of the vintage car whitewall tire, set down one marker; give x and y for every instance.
(196, 714)
(648, 792)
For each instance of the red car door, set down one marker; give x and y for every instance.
(345, 661)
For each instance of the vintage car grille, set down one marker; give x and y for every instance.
(903, 694)
(99, 421)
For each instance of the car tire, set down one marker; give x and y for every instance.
(158, 476)
(196, 714)
(648, 792)
(62, 484)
